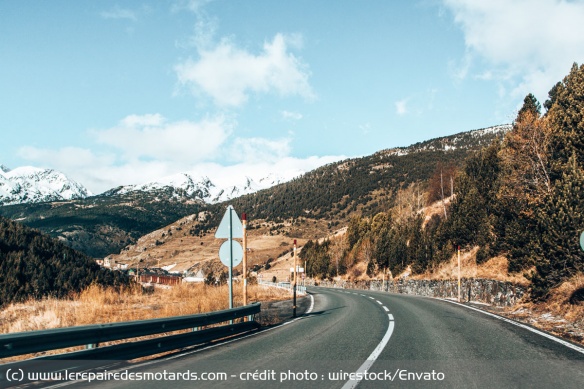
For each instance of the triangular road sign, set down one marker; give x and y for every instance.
(224, 226)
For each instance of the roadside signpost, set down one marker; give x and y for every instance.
(458, 273)
(244, 241)
(295, 281)
(231, 252)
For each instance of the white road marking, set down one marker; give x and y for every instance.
(311, 305)
(371, 359)
(379, 302)
(386, 310)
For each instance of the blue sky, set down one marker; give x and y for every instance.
(124, 92)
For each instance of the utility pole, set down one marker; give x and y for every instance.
(244, 225)
(294, 285)
(442, 189)
(459, 273)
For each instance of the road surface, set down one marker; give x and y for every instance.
(370, 339)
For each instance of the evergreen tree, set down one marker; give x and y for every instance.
(473, 212)
(525, 181)
(530, 104)
(558, 254)
(552, 96)
(566, 117)
(33, 265)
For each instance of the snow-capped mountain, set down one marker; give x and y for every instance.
(467, 140)
(184, 185)
(35, 185)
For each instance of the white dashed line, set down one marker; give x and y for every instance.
(371, 359)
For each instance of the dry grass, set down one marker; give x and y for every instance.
(494, 269)
(178, 248)
(559, 304)
(556, 314)
(98, 305)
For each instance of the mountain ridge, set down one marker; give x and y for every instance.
(29, 184)
(104, 224)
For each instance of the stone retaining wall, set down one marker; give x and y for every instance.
(491, 292)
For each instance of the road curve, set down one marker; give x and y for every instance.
(371, 340)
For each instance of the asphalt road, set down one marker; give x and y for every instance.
(372, 340)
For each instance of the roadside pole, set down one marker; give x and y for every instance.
(230, 260)
(383, 280)
(294, 285)
(244, 222)
(230, 252)
(458, 273)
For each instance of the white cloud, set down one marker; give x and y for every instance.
(528, 44)
(229, 74)
(254, 150)
(83, 165)
(365, 128)
(152, 137)
(401, 107)
(119, 13)
(291, 115)
(152, 148)
(190, 5)
(100, 172)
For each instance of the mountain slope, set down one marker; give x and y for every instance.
(336, 190)
(33, 265)
(35, 185)
(104, 224)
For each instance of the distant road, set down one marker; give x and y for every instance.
(410, 342)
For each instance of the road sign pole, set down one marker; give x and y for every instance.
(244, 221)
(295, 278)
(458, 273)
(230, 252)
(230, 259)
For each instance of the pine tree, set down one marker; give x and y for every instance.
(473, 212)
(566, 117)
(530, 104)
(560, 223)
(552, 94)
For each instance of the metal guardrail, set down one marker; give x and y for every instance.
(284, 285)
(92, 335)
